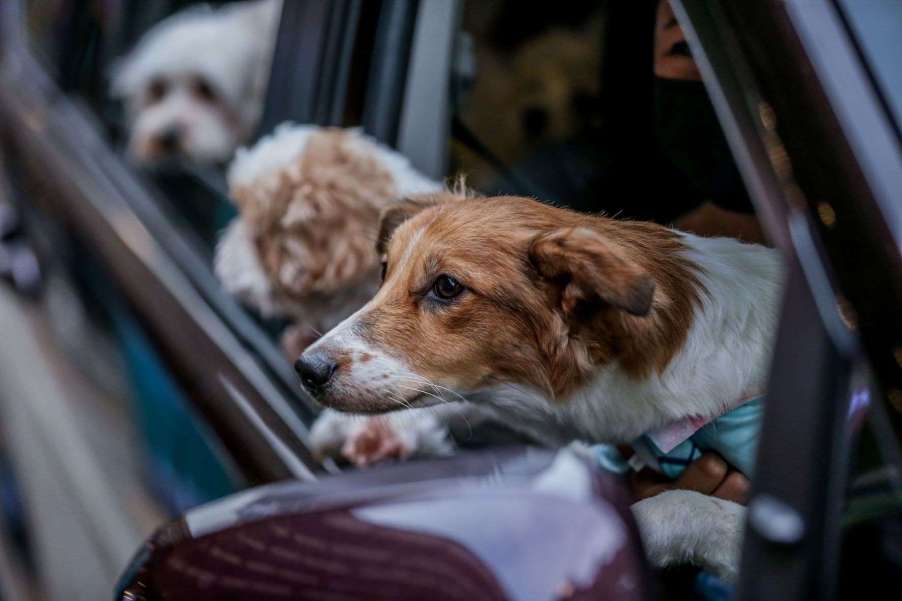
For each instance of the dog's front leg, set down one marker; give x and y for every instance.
(684, 526)
(365, 440)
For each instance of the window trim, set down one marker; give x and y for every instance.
(750, 53)
(311, 63)
(388, 71)
(425, 119)
(100, 198)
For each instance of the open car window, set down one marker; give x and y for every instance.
(627, 109)
(146, 235)
(623, 106)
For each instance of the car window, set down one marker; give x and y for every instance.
(527, 85)
(596, 106)
(587, 105)
(87, 48)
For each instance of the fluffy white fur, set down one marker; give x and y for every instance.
(725, 358)
(228, 49)
(282, 148)
(237, 264)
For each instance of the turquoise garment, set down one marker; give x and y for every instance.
(610, 459)
(733, 435)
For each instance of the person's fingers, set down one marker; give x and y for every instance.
(648, 483)
(735, 487)
(703, 475)
(709, 475)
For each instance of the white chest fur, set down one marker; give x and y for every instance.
(725, 358)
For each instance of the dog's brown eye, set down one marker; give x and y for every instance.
(446, 287)
(203, 90)
(156, 90)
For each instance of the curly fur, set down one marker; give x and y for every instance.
(304, 244)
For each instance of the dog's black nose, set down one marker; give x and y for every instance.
(315, 370)
(170, 139)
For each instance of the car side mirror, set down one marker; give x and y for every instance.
(520, 524)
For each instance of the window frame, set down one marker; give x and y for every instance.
(249, 393)
(98, 196)
(750, 54)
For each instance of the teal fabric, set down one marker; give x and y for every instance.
(733, 435)
(610, 459)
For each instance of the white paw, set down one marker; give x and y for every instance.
(366, 440)
(687, 527)
(330, 431)
(377, 439)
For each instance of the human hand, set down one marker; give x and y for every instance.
(709, 475)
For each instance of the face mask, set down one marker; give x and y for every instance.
(690, 137)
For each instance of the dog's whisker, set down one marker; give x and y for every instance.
(418, 378)
(397, 399)
(427, 381)
(421, 391)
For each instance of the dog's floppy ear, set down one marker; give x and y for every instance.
(397, 213)
(591, 268)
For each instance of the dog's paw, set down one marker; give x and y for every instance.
(377, 439)
(367, 440)
(329, 433)
(687, 527)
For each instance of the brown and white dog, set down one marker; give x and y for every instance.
(565, 325)
(303, 246)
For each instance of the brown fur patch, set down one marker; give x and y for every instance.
(396, 214)
(550, 295)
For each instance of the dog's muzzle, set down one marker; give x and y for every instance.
(316, 370)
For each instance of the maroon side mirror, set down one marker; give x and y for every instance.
(521, 524)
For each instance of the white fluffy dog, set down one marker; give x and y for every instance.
(194, 84)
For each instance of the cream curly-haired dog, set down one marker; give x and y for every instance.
(303, 247)
(194, 84)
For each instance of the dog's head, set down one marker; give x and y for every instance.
(313, 218)
(193, 85)
(481, 292)
(310, 199)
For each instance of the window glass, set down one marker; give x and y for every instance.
(596, 106)
(532, 86)
(174, 102)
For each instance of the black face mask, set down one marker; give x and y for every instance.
(689, 136)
